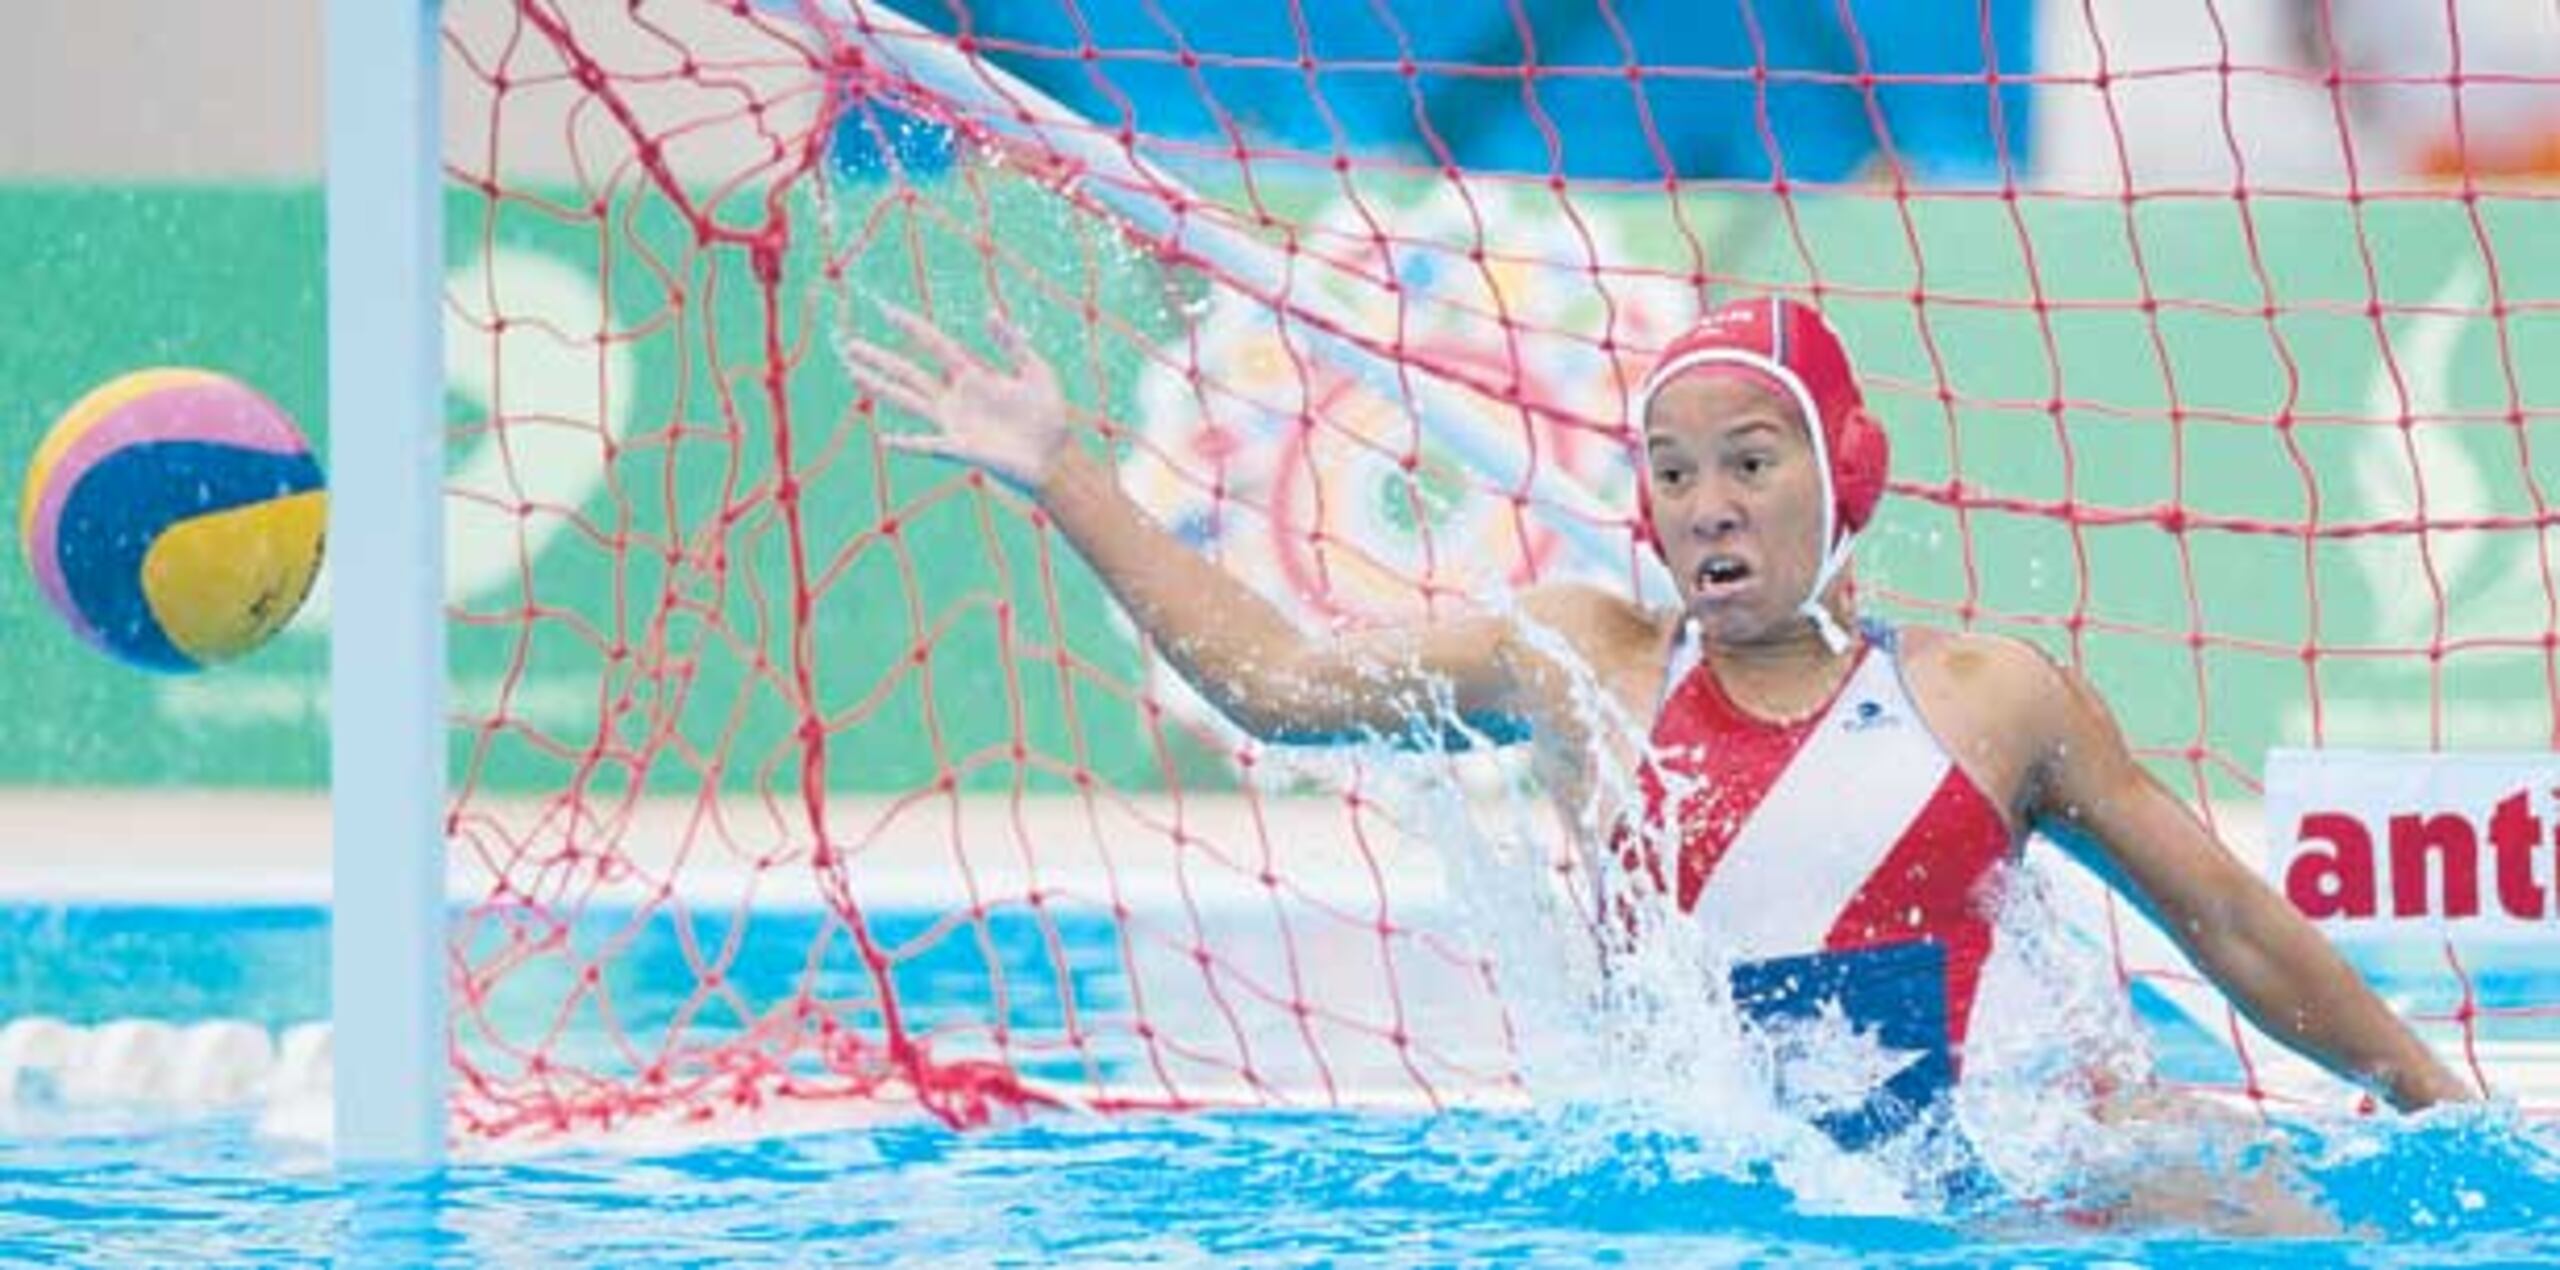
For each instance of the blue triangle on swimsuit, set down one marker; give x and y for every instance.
(1896, 993)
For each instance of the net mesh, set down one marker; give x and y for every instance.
(787, 770)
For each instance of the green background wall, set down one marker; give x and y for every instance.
(98, 280)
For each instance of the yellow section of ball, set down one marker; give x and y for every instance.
(222, 583)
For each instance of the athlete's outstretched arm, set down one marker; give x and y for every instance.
(1248, 658)
(2270, 960)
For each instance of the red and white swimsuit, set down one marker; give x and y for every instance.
(1853, 829)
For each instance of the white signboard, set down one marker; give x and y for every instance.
(2391, 843)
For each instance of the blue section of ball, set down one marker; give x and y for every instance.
(123, 505)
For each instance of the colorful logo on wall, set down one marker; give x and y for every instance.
(1347, 484)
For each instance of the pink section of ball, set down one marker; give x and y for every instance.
(217, 411)
(48, 570)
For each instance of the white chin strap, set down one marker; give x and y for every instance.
(1833, 637)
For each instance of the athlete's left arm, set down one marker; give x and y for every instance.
(2254, 945)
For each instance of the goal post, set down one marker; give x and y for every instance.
(389, 954)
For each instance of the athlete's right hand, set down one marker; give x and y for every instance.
(1007, 417)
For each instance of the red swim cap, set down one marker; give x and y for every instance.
(1790, 343)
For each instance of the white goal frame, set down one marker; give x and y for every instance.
(385, 226)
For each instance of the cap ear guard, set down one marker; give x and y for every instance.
(1860, 459)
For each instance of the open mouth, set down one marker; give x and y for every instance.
(1722, 575)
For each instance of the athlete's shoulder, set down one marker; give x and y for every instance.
(2003, 672)
(1975, 652)
(2017, 688)
(1584, 612)
(1604, 629)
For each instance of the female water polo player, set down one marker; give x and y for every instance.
(1844, 788)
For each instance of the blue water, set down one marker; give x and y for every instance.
(128, 1186)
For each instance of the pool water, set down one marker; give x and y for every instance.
(1572, 1184)
(1262, 1187)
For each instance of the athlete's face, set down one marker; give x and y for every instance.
(1737, 502)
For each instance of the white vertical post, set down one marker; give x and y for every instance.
(386, 570)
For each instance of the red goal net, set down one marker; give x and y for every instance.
(791, 773)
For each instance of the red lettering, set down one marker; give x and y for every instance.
(2514, 831)
(2448, 837)
(2337, 882)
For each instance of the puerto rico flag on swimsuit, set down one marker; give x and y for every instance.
(1840, 860)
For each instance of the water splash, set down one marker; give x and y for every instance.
(2054, 1036)
(1626, 1023)
(1621, 1009)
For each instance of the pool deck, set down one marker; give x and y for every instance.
(236, 846)
(155, 845)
